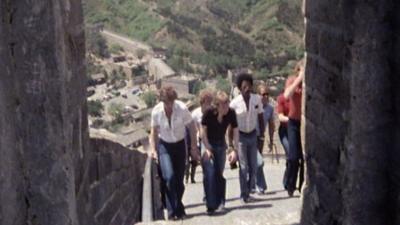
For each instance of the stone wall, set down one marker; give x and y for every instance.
(49, 174)
(43, 119)
(351, 116)
(115, 183)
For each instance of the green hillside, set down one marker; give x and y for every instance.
(210, 36)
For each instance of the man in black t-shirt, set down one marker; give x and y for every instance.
(214, 123)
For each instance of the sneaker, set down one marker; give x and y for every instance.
(261, 192)
(221, 208)
(251, 199)
(210, 212)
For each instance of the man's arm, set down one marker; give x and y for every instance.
(233, 134)
(153, 141)
(282, 118)
(292, 87)
(206, 144)
(194, 148)
(261, 124)
(271, 130)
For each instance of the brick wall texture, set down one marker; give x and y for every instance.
(352, 112)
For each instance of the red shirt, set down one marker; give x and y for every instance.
(282, 107)
(295, 104)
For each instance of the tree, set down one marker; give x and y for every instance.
(116, 110)
(140, 53)
(150, 98)
(96, 44)
(223, 85)
(197, 87)
(116, 48)
(95, 108)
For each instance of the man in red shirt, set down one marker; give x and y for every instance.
(293, 93)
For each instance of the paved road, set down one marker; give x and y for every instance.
(127, 43)
(273, 208)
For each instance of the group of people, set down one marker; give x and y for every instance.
(219, 125)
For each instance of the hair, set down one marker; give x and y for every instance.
(299, 65)
(168, 94)
(205, 94)
(262, 86)
(220, 96)
(244, 77)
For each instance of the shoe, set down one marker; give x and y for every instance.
(245, 200)
(221, 208)
(181, 216)
(261, 192)
(290, 193)
(251, 199)
(193, 181)
(172, 218)
(210, 212)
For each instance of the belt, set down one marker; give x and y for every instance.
(247, 133)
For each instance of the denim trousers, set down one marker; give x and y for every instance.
(295, 154)
(247, 162)
(261, 184)
(213, 179)
(283, 137)
(171, 157)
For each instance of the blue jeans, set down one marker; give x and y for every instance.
(295, 155)
(283, 136)
(171, 157)
(213, 179)
(261, 184)
(247, 162)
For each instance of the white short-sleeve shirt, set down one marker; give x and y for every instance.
(197, 115)
(180, 117)
(247, 119)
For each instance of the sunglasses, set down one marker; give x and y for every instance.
(264, 94)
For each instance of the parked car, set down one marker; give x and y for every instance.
(136, 91)
(106, 97)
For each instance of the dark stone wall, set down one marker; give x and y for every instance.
(50, 172)
(43, 122)
(115, 183)
(352, 113)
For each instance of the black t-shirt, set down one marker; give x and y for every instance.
(216, 130)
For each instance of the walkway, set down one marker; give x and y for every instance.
(273, 208)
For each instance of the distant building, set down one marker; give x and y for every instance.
(158, 69)
(98, 78)
(90, 91)
(118, 58)
(133, 138)
(160, 53)
(183, 84)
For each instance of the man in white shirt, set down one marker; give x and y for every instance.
(249, 112)
(169, 120)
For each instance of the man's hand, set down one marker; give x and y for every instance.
(194, 153)
(232, 157)
(153, 154)
(208, 155)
